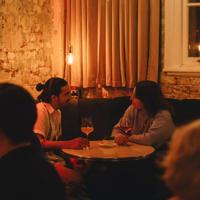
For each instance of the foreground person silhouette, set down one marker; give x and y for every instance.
(24, 172)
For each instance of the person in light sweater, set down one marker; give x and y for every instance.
(147, 120)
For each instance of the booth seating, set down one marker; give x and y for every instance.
(106, 113)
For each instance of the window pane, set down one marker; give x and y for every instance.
(194, 1)
(194, 32)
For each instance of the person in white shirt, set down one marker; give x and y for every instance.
(148, 120)
(55, 94)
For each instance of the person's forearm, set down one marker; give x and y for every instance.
(141, 139)
(116, 131)
(55, 144)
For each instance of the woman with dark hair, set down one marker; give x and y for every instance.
(148, 120)
(55, 94)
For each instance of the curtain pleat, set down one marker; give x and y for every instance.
(108, 43)
(122, 43)
(154, 40)
(143, 39)
(101, 48)
(131, 42)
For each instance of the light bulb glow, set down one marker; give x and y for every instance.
(199, 47)
(70, 59)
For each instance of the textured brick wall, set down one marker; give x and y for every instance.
(181, 86)
(27, 34)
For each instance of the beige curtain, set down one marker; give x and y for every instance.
(115, 42)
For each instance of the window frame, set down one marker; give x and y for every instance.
(176, 38)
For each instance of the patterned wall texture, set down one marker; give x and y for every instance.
(26, 30)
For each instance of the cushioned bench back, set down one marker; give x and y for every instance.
(105, 114)
(185, 110)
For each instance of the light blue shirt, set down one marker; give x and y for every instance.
(146, 130)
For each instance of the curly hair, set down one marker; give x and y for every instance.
(182, 163)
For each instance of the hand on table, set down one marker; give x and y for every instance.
(79, 143)
(121, 139)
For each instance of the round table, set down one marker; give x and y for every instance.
(115, 171)
(108, 150)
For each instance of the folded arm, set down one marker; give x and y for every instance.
(158, 133)
(120, 135)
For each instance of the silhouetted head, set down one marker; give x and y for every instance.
(55, 91)
(147, 94)
(17, 113)
(182, 162)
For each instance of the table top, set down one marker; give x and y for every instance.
(108, 150)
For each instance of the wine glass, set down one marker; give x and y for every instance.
(87, 127)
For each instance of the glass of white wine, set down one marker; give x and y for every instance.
(87, 127)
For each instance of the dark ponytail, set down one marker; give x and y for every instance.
(39, 87)
(51, 87)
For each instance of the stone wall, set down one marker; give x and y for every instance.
(184, 86)
(28, 34)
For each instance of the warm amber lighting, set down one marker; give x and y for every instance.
(199, 48)
(70, 59)
(70, 56)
